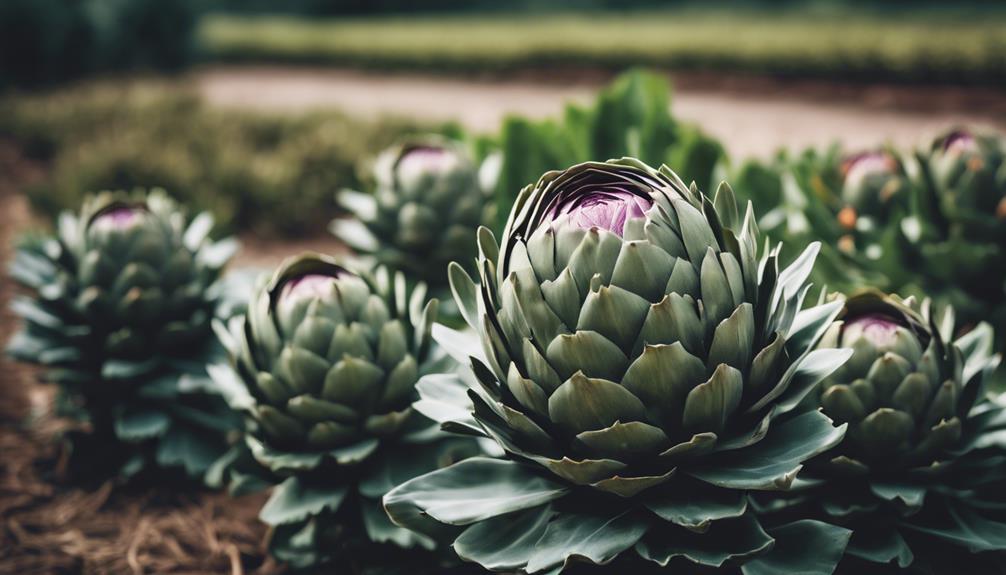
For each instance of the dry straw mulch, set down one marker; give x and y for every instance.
(49, 527)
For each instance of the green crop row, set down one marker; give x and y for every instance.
(925, 47)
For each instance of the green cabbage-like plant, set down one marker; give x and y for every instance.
(640, 366)
(424, 209)
(119, 316)
(324, 367)
(919, 476)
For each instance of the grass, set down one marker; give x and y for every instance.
(927, 46)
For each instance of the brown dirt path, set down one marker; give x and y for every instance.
(753, 117)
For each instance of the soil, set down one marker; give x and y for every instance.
(753, 116)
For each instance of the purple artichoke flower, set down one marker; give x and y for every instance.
(308, 286)
(607, 209)
(118, 218)
(423, 160)
(959, 142)
(858, 167)
(879, 329)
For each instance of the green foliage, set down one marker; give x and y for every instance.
(43, 41)
(631, 117)
(641, 367)
(272, 175)
(905, 45)
(119, 316)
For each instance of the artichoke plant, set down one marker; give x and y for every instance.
(120, 311)
(324, 365)
(919, 476)
(640, 367)
(962, 238)
(426, 204)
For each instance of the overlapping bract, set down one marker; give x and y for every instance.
(640, 367)
(325, 366)
(124, 296)
(426, 204)
(919, 475)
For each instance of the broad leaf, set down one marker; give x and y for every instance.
(380, 529)
(598, 538)
(803, 547)
(732, 539)
(505, 542)
(696, 505)
(293, 501)
(472, 490)
(880, 545)
(773, 462)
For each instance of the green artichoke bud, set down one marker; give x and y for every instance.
(325, 367)
(640, 369)
(124, 297)
(918, 477)
(872, 182)
(898, 394)
(969, 171)
(423, 212)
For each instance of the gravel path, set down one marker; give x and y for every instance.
(752, 122)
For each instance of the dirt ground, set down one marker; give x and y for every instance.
(753, 117)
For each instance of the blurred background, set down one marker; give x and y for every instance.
(262, 110)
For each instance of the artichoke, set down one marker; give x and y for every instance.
(325, 366)
(874, 184)
(640, 368)
(963, 239)
(919, 475)
(425, 207)
(970, 172)
(120, 316)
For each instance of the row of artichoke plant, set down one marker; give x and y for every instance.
(643, 386)
(929, 222)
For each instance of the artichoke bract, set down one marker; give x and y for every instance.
(426, 204)
(325, 366)
(640, 367)
(120, 318)
(919, 475)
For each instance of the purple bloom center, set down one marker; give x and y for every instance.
(607, 209)
(318, 286)
(120, 218)
(958, 142)
(425, 159)
(879, 329)
(860, 166)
